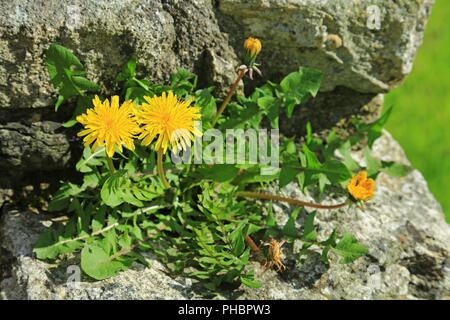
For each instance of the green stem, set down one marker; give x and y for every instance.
(159, 164)
(295, 202)
(229, 95)
(110, 164)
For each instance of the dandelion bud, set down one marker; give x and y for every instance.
(253, 46)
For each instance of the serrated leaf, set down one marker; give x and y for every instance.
(309, 231)
(349, 249)
(250, 282)
(110, 192)
(289, 228)
(287, 175)
(298, 86)
(128, 71)
(237, 240)
(205, 100)
(219, 172)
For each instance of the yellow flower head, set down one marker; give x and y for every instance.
(253, 46)
(169, 118)
(360, 187)
(109, 125)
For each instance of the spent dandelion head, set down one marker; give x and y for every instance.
(169, 120)
(360, 187)
(109, 125)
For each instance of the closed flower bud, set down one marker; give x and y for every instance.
(253, 46)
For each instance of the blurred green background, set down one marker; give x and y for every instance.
(421, 117)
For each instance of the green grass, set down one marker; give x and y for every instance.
(421, 117)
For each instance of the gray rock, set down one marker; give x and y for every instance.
(366, 46)
(403, 226)
(359, 61)
(163, 35)
(36, 147)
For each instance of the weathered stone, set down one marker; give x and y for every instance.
(366, 46)
(162, 35)
(358, 61)
(403, 226)
(36, 147)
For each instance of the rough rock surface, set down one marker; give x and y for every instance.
(344, 39)
(163, 35)
(403, 226)
(366, 46)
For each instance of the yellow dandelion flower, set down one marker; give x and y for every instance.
(253, 46)
(170, 120)
(109, 125)
(360, 187)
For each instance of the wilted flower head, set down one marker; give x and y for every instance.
(109, 125)
(169, 119)
(253, 46)
(360, 187)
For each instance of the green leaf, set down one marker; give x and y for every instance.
(183, 82)
(328, 245)
(136, 94)
(250, 112)
(311, 159)
(90, 159)
(395, 169)
(349, 249)
(205, 100)
(62, 198)
(266, 102)
(111, 193)
(288, 174)
(298, 87)
(66, 74)
(237, 240)
(250, 282)
(348, 160)
(335, 171)
(96, 263)
(270, 221)
(373, 165)
(219, 172)
(51, 243)
(84, 84)
(332, 171)
(374, 129)
(309, 231)
(128, 71)
(289, 228)
(59, 58)
(45, 247)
